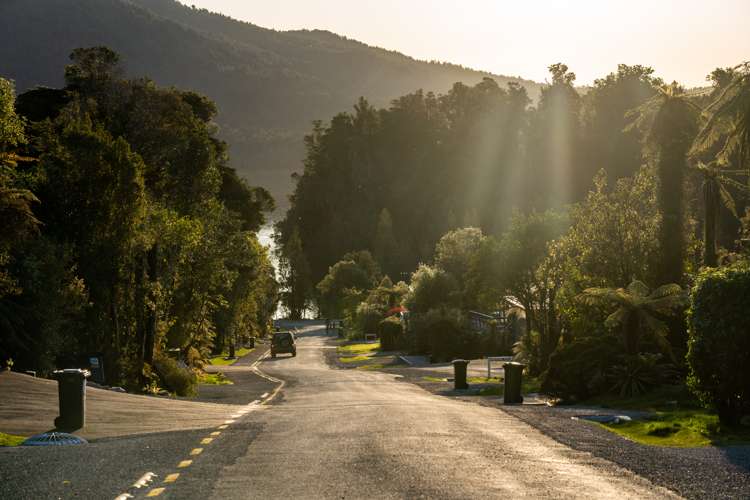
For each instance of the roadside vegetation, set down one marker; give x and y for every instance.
(214, 379)
(602, 239)
(125, 231)
(675, 417)
(10, 440)
(223, 359)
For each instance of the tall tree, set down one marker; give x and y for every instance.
(721, 149)
(555, 143)
(296, 288)
(15, 201)
(607, 143)
(385, 247)
(671, 124)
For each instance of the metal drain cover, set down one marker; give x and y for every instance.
(54, 439)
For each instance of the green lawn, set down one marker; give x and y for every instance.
(10, 440)
(220, 361)
(528, 385)
(493, 386)
(676, 420)
(353, 359)
(214, 379)
(354, 353)
(483, 380)
(374, 366)
(681, 428)
(359, 348)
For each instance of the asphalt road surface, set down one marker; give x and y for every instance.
(358, 434)
(328, 433)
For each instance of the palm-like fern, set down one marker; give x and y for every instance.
(638, 311)
(668, 122)
(727, 126)
(716, 181)
(725, 136)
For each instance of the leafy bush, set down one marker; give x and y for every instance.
(390, 332)
(579, 370)
(431, 288)
(178, 379)
(369, 317)
(637, 374)
(444, 335)
(719, 341)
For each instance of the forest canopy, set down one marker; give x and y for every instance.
(126, 232)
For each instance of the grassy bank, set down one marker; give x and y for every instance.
(675, 419)
(221, 360)
(360, 349)
(214, 379)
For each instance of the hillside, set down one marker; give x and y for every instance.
(269, 85)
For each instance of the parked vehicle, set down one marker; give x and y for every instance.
(283, 343)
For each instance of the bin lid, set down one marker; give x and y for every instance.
(54, 439)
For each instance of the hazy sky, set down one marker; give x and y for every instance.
(682, 40)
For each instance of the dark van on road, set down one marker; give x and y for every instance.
(283, 342)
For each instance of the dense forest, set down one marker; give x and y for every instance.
(614, 220)
(268, 85)
(125, 232)
(403, 176)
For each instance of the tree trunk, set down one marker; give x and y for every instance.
(153, 276)
(709, 226)
(632, 334)
(232, 345)
(140, 323)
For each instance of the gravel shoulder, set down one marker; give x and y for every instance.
(694, 473)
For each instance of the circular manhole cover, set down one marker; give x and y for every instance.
(54, 439)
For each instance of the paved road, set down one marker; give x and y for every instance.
(356, 434)
(328, 434)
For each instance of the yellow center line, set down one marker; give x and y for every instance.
(184, 463)
(155, 492)
(226, 422)
(206, 440)
(171, 478)
(222, 426)
(196, 451)
(215, 433)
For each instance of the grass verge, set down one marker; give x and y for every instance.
(371, 367)
(359, 348)
(214, 379)
(10, 440)
(676, 420)
(353, 359)
(529, 385)
(220, 361)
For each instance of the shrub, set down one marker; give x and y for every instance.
(369, 317)
(579, 370)
(431, 288)
(719, 341)
(390, 332)
(176, 378)
(638, 374)
(443, 334)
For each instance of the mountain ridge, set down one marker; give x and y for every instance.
(269, 85)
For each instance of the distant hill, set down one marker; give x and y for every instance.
(269, 85)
